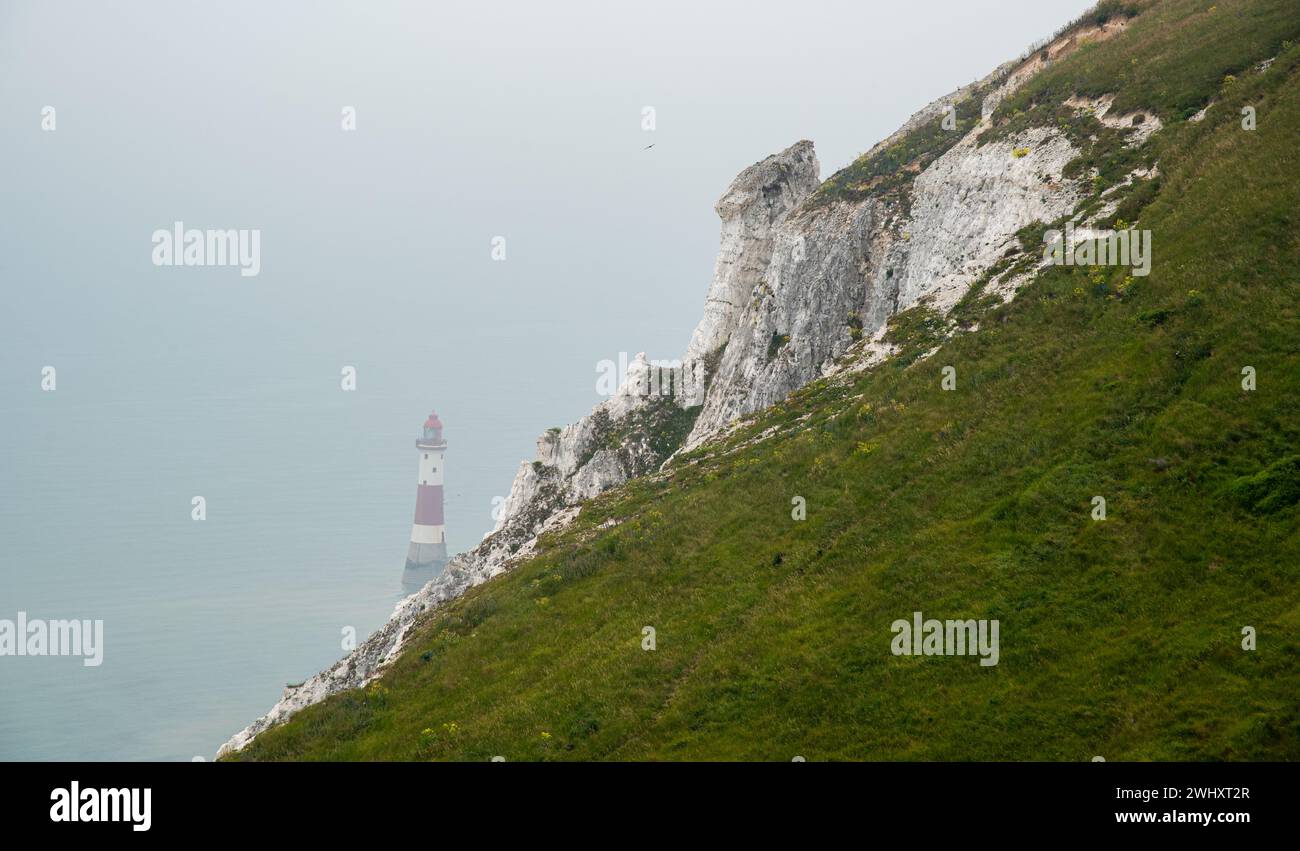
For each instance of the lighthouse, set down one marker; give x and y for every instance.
(428, 552)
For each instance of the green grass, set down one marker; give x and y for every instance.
(1119, 638)
(1171, 60)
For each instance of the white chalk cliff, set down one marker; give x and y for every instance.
(804, 283)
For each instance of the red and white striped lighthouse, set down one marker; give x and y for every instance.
(428, 535)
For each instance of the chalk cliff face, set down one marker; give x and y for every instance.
(804, 284)
(831, 274)
(751, 209)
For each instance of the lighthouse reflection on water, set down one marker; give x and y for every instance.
(427, 555)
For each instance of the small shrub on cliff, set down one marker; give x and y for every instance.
(777, 342)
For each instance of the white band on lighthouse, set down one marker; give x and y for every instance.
(426, 534)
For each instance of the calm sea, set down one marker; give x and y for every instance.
(309, 493)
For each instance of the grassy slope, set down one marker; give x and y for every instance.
(1119, 637)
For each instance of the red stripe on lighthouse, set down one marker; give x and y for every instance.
(428, 505)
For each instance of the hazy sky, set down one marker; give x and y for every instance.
(474, 120)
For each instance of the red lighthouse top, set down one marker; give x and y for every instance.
(432, 435)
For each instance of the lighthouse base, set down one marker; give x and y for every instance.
(426, 555)
(415, 578)
(423, 563)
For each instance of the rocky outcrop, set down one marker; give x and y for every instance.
(837, 272)
(757, 201)
(797, 315)
(627, 435)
